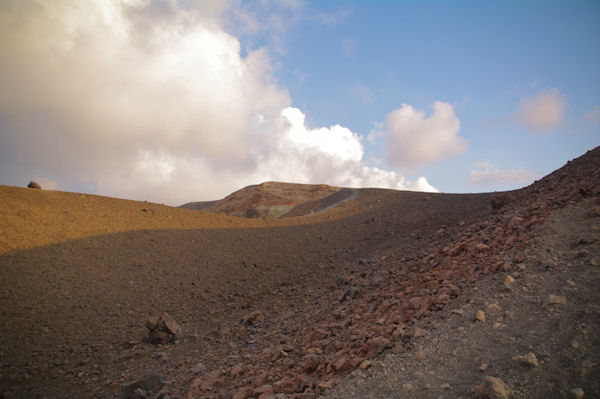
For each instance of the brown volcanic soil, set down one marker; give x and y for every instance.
(80, 275)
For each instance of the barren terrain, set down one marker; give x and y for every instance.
(371, 294)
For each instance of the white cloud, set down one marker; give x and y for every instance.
(542, 112)
(153, 100)
(415, 139)
(323, 155)
(488, 174)
(593, 116)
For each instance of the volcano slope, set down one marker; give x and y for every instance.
(282, 308)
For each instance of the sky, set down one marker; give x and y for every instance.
(178, 101)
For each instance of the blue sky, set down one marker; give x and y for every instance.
(482, 57)
(176, 101)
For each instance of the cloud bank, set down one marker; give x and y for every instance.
(153, 100)
(488, 174)
(416, 140)
(542, 112)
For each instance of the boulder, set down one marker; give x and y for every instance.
(163, 329)
(35, 185)
(493, 388)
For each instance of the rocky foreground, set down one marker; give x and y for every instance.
(400, 299)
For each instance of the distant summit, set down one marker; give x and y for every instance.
(275, 200)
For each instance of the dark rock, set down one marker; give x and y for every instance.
(33, 184)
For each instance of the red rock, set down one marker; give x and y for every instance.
(163, 329)
(302, 382)
(261, 379)
(285, 385)
(197, 387)
(375, 345)
(325, 385)
(243, 393)
(264, 389)
(310, 362)
(481, 247)
(317, 335)
(343, 364)
(441, 299)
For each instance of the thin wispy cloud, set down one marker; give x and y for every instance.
(488, 174)
(593, 116)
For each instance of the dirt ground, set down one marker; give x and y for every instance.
(373, 298)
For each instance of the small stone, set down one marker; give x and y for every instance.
(365, 364)
(419, 332)
(480, 315)
(555, 300)
(310, 362)
(483, 367)
(324, 385)
(420, 355)
(570, 283)
(253, 318)
(264, 389)
(493, 388)
(376, 345)
(509, 282)
(343, 364)
(407, 386)
(445, 386)
(243, 393)
(494, 307)
(147, 383)
(528, 360)
(482, 247)
(574, 344)
(576, 393)
(139, 393)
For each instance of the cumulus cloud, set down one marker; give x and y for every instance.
(487, 174)
(153, 100)
(331, 155)
(542, 112)
(415, 139)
